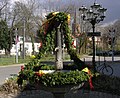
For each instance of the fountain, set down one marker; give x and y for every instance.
(58, 82)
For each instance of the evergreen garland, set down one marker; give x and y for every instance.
(54, 19)
(32, 73)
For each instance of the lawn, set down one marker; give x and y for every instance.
(11, 60)
(4, 60)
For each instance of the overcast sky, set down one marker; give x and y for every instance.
(113, 8)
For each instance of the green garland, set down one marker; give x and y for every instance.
(54, 19)
(48, 40)
(63, 78)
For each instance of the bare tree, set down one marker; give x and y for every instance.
(3, 4)
(106, 31)
(26, 12)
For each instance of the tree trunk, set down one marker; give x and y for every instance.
(7, 52)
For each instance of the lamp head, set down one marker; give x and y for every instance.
(102, 10)
(95, 12)
(95, 6)
(83, 9)
(102, 18)
(90, 13)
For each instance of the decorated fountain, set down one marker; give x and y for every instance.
(57, 80)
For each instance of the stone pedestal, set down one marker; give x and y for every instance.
(59, 91)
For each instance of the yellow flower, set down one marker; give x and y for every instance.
(40, 72)
(32, 57)
(54, 13)
(68, 18)
(86, 70)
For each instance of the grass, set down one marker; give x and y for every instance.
(4, 61)
(11, 60)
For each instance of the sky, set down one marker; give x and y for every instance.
(113, 7)
(12, 1)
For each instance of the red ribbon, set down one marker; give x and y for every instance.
(90, 81)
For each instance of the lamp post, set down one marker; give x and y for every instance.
(93, 15)
(112, 36)
(23, 52)
(16, 42)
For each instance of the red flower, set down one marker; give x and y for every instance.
(73, 44)
(40, 45)
(44, 33)
(22, 68)
(38, 74)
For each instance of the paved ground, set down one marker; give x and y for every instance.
(76, 94)
(7, 71)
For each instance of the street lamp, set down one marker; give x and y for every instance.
(94, 15)
(112, 36)
(23, 52)
(16, 42)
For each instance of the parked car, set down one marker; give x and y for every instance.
(107, 53)
(110, 53)
(115, 52)
(100, 53)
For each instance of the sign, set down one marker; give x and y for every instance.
(93, 34)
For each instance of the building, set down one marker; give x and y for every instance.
(19, 47)
(27, 46)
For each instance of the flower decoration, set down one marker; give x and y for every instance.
(32, 57)
(22, 68)
(68, 16)
(53, 20)
(90, 80)
(86, 70)
(54, 13)
(40, 73)
(40, 45)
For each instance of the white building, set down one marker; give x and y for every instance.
(27, 46)
(19, 47)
